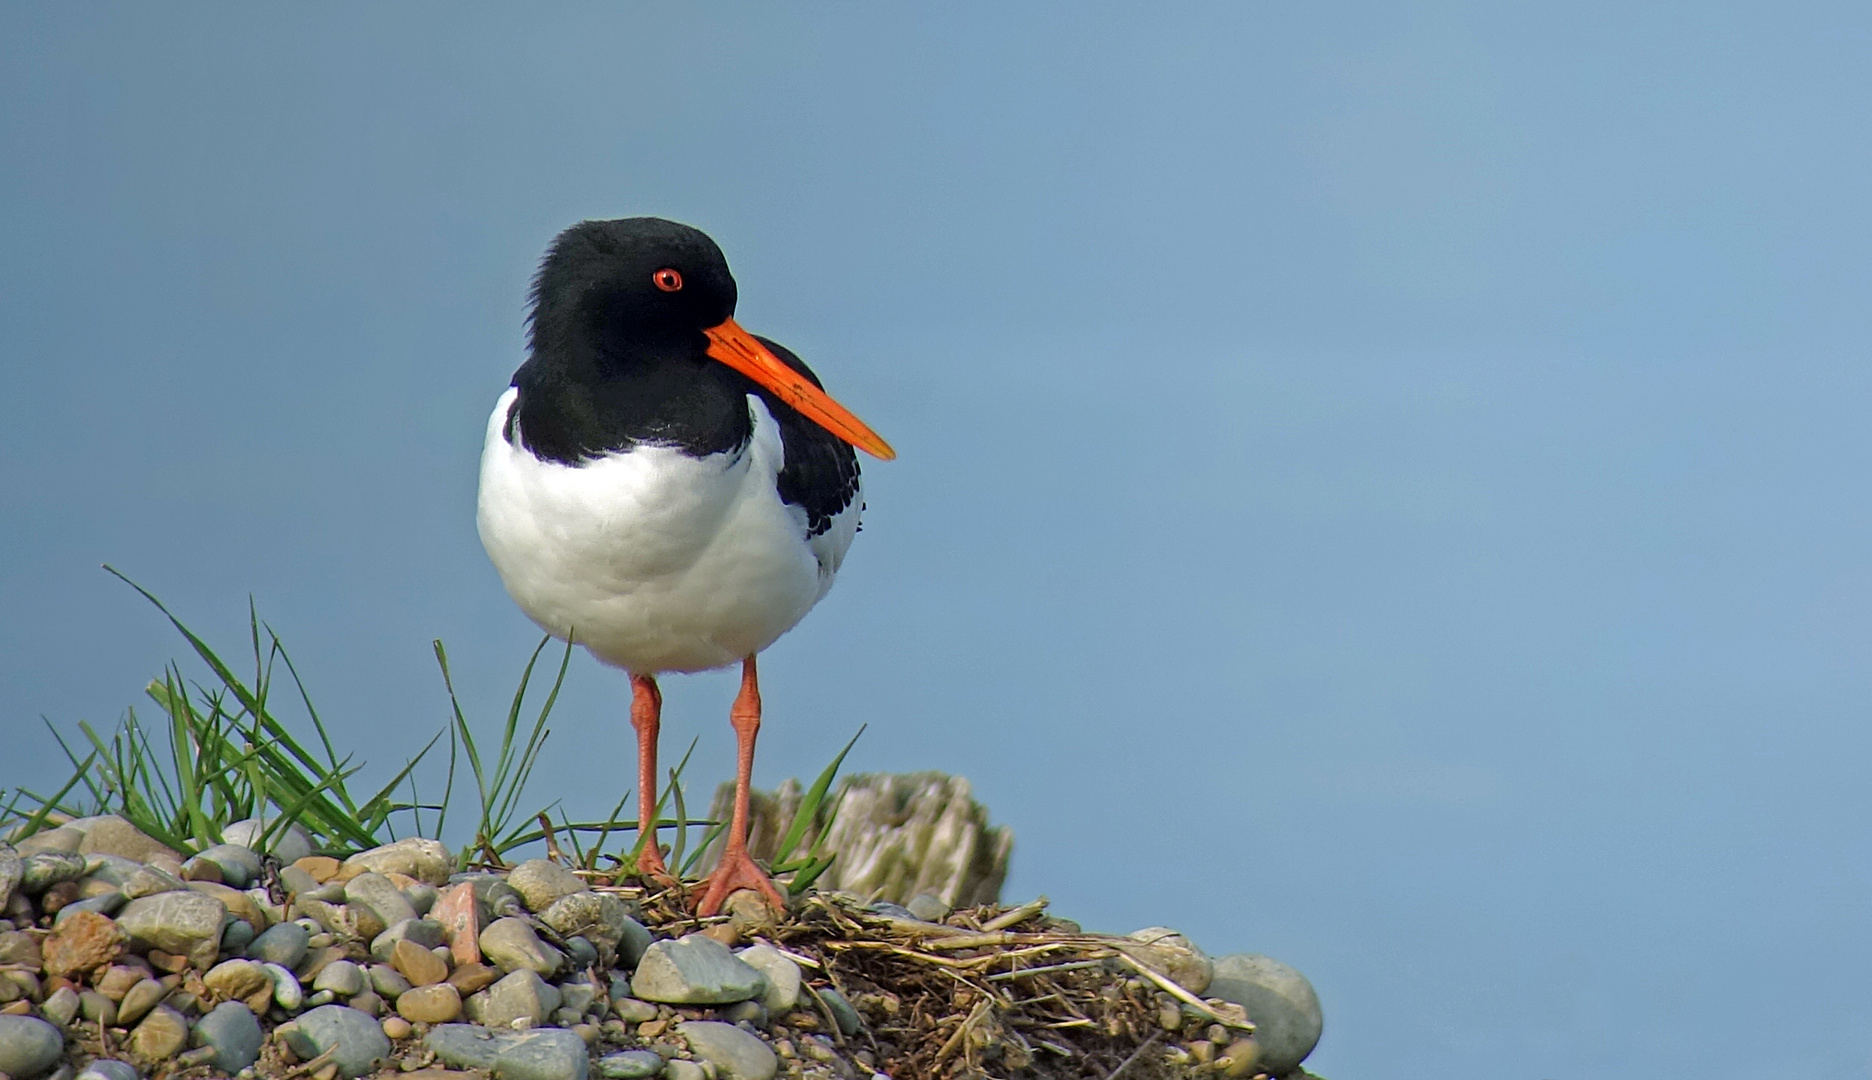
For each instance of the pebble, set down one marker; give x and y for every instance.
(388, 981)
(238, 979)
(287, 993)
(112, 835)
(239, 866)
(28, 1045)
(284, 944)
(379, 894)
(19, 947)
(422, 859)
(630, 1065)
(927, 907)
(107, 1069)
(694, 970)
(842, 1012)
(678, 1069)
(161, 1035)
(396, 1027)
(598, 917)
(148, 881)
(522, 995)
(97, 1008)
(236, 936)
(437, 1004)
(424, 932)
(471, 978)
(1280, 1002)
(64, 838)
(631, 1010)
(417, 964)
(45, 869)
(752, 1013)
(421, 895)
(736, 1053)
(186, 923)
(455, 909)
(11, 867)
(360, 1040)
(465, 1046)
(540, 882)
(512, 945)
(549, 1054)
(139, 1000)
(782, 974)
(60, 1006)
(578, 995)
(1172, 954)
(341, 977)
(289, 844)
(234, 1033)
(82, 942)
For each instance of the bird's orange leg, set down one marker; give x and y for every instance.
(736, 869)
(646, 717)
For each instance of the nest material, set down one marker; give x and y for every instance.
(994, 992)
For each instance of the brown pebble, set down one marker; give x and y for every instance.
(588, 1032)
(724, 933)
(65, 892)
(396, 1027)
(329, 1072)
(456, 910)
(22, 1007)
(168, 962)
(85, 941)
(470, 977)
(322, 867)
(201, 870)
(650, 1029)
(417, 964)
(1242, 1056)
(437, 1003)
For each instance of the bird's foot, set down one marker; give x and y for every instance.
(738, 871)
(651, 868)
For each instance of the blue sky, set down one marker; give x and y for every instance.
(1382, 486)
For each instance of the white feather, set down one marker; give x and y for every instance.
(652, 559)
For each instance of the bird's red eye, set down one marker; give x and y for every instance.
(666, 279)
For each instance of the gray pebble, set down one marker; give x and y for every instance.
(842, 1012)
(632, 1011)
(541, 881)
(580, 953)
(678, 1069)
(1279, 1001)
(186, 923)
(28, 1045)
(239, 865)
(424, 860)
(234, 1033)
(630, 1065)
(289, 844)
(376, 892)
(107, 904)
(388, 981)
(11, 867)
(41, 871)
(61, 1006)
(739, 1055)
(283, 944)
(425, 932)
(512, 945)
(782, 974)
(139, 1000)
(927, 907)
(745, 1012)
(548, 1054)
(360, 1040)
(107, 1069)
(236, 936)
(287, 993)
(522, 995)
(422, 896)
(341, 977)
(694, 970)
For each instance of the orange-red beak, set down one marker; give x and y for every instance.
(739, 350)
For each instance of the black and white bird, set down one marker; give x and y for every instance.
(664, 488)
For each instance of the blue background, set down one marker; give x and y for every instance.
(1382, 485)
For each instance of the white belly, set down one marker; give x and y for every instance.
(651, 559)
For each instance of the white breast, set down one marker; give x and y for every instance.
(652, 559)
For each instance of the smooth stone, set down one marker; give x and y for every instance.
(437, 1004)
(630, 1065)
(522, 995)
(735, 1052)
(186, 923)
(422, 896)
(283, 944)
(1173, 955)
(111, 869)
(580, 953)
(341, 977)
(928, 908)
(139, 1000)
(41, 871)
(748, 1012)
(239, 904)
(11, 869)
(113, 835)
(540, 882)
(466, 1046)
(578, 995)
(97, 1008)
(694, 970)
(360, 1039)
(895, 911)
(19, 947)
(512, 945)
(416, 857)
(108, 1069)
(547, 1054)
(297, 881)
(396, 1027)
(64, 838)
(289, 844)
(424, 932)
(239, 866)
(104, 904)
(468, 978)
(234, 1032)
(678, 1069)
(388, 981)
(369, 1002)
(236, 936)
(376, 892)
(161, 1035)
(600, 918)
(631, 1010)
(460, 918)
(782, 994)
(28, 1045)
(417, 964)
(61, 1006)
(238, 979)
(842, 1012)
(1279, 1001)
(288, 994)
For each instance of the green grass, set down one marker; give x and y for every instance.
(217, 751)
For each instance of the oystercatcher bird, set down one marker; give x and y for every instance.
(664, 488)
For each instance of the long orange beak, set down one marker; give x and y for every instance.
(739, 350)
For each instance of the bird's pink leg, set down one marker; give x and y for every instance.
(646, 717)
(737, 869)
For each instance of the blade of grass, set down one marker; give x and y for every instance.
(809, 806)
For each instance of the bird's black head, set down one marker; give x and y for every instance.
(640, 281)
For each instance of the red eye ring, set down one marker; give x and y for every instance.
(667, 279)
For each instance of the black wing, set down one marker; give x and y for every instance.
(821, 471)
